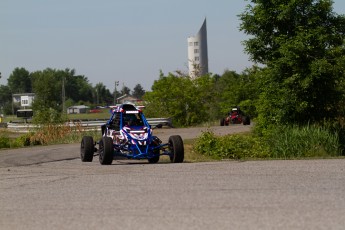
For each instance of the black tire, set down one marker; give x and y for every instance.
(106, 151)
(155, 159)
(176, 149)
(87, 149)
(246, 121)
(222, 122)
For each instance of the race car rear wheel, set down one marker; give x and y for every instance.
(106, 151)
(222, 122)
(176, 149)
(86, 149)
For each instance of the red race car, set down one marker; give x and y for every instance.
(235, 116)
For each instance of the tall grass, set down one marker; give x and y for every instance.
(285, 142)
(46, 135)
(60, 134)
(299, 142)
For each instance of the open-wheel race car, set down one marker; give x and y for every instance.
(128, 135)
(235, 116)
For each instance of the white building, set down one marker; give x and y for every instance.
(24, 99)
(127, 99)
(197, 53)
(77, 109)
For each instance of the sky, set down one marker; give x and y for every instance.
(128, 41)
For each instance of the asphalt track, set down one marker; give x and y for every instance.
(50, 188)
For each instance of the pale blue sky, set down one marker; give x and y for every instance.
(124, 40)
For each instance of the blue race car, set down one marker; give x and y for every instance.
(127, 134)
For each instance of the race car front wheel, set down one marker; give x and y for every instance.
(86, 149)
(155, 159)
(176, 149)
(106, 151)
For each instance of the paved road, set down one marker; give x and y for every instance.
(69, 194)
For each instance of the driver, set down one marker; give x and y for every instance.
(131, 120)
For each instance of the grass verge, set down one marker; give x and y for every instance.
(285, 142)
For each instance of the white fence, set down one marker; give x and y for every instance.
(89, 125)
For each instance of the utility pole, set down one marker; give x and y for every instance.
(12, 106)
(97, 98)
(115, 91)
(63, 95)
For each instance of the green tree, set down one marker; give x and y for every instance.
(47, 85)
(20, 81)
(77, 87)
(138, 91)
(125, 90)
(103, 95)
(5, 100)
(5, 94)
(180, 98)
(301, 45)
(205, 97)
(229, 87)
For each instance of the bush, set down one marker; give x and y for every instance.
(17, 143)
(4, 141)
(206, 144)
(48, 117)
(239, 146)
(23, 141)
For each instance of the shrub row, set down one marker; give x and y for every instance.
(286, 142)
(238, 146)
(7, 142)
(50, 134)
